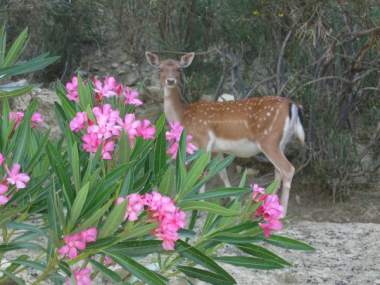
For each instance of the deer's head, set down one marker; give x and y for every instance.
(170, 69)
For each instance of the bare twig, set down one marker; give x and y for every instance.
(320, 79)
(280, 60)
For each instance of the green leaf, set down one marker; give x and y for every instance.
(208, 207)
(32, 264)
(31, 65)
(261, 252)
(243, 179)
(114, 220)
(288, 243)
(215, 166)
(109, 274)
(137, 247)
(77, 207)
(195, 255)
(135, 268)
(193, 175)
(180, 162)
(13, 277)
(236, 238)
(218, 193)
(84, 92)
(249, 262)
(23, 133)
(15, 91)
(166, 185)
(95, 216)
(207, 276)
(160, 149)
(16, 49)
(75, 165)
(272, 187)
(249, 225)
(128, 182)
(5, 247)
(140, 231)
(5, 126)
(57, 163)
(67, 105)
(3, 44)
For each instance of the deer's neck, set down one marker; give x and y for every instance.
(173, 106)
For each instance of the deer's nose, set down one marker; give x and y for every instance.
(171, 81)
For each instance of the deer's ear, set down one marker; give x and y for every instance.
(187, 59)
(152, 59)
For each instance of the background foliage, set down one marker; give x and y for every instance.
(323, 54)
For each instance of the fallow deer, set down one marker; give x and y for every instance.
(243, 128)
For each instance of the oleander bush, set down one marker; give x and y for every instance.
(119, 192)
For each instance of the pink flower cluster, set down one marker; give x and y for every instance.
(76, 242)
(105, 89)
(81, 277)
(270, 210)
(173, 137)
(161, 209)
(17, 117)
(13, 177)
(107, 128)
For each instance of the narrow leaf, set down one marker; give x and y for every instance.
(207, 207)
(288, 243)
(187, 251)
(249, 262)
(207, 276)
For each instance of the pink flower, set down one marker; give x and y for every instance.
(135, 206)
(17, 178)
(1, 158)
(146, 130)
(269, 226)
(81, 277)
(72, 89)
(130, 126)
(78, 122)
(3, 190)
(257, 193)
(37, 119)
(89, 235)
(272, 212)
(131, 97)
(91, 142)
(107, 89)
(107, 150)
(16, 117)
(162, 210)
(76, 242)
(108, 122)
(271, 208)
(174, 136)
(107, 261)
(73, 243)
(175, 132)
(3, 200)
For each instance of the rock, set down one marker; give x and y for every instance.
(45, 99)
(114, 65)
(132, 76)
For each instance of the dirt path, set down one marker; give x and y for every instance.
(345, 254)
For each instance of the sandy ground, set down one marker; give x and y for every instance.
(345, 254)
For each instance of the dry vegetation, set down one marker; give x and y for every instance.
(323, 54)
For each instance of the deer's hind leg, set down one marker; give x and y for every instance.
(284, 168)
